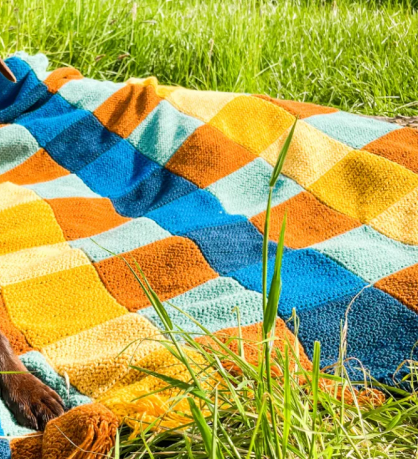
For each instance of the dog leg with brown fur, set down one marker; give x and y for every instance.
(32, 402)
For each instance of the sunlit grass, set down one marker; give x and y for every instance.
(359, 55)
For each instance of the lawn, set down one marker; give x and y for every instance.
(360, 56)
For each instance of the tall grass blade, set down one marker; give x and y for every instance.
(275, 285)
(287, 412)
(204, 429)
(315, 393)
(282, 156)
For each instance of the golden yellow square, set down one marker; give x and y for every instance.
(363, 185)
(97, 359)
(311, 154)
(252, 122)
(162, 91)
(27, 225)
(203, 105)
(49, 308)
(400, 221)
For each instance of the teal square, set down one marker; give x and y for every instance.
(214, 305)
(17, 145)
(369, 254)
(88, 94)
(246, 190)
(162, 132)
(353, 130)
(69, 186)
(124, 238)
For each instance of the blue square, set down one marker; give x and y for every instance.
(4, 446)
(50, 119)
(196, 210)
(231, 247)
(381, 333)
(309, 279)
(117, 171)
(18, 98)
(160, 188)
(81, 143)
(353, 130)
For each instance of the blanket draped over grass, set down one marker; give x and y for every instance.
(178, 180)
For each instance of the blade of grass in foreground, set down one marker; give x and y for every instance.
(204, 431)
(271, 300)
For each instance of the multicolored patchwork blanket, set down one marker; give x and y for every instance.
(178, 180)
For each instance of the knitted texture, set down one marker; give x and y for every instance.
(95, 175)
(4, 446)
(86, 432)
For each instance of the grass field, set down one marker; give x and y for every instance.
(360, 56)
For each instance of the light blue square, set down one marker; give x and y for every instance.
(246, 190)
(69, 186)
(212, 304)
(369, 254)
(17, 144)
(353, 130)
(124, 238)
(88, 94)
(163, 131)
(9, 424)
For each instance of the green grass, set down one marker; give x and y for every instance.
(254, 415)
(360, 55)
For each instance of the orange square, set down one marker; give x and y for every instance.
(207, 156)
(399, 146)
(402, 285)
(60, 77)
(308, 221)
(85, 217)
(300, 109)
(127, 108)
(15, 336)
(252, 338)
(172, 266)
(38, 168)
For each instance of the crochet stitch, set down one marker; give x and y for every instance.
(177, 180)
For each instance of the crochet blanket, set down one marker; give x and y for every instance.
(178, 180)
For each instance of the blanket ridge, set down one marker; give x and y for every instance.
(178, 180)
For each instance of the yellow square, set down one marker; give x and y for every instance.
(400, 221)
(97, 359)
(203, 105)
(49, 308)
(28, 225)
(363, 185)
(252, 122)
(311, 153)
(12, 195)
(39, 261)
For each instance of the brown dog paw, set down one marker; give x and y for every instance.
(33, 403)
